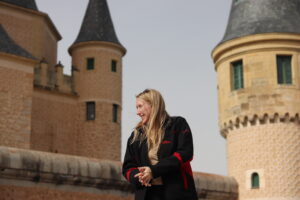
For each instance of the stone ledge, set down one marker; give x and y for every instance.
(53, 168)
(59, 169)
(217, 187)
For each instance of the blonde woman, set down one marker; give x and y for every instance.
(159, 152)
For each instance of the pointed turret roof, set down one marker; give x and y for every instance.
(23, 3)
(248, 17)
(7, 45)
(97, 24)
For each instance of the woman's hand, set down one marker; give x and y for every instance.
(145, 176)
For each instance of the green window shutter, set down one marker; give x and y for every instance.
(237, 75)
(115, 113)
(90, 62)
(90, 110)
(114, 66)
(255, 180)
(284, 69)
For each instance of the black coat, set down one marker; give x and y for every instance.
(174, 156)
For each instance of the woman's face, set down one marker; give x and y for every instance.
(143, 109)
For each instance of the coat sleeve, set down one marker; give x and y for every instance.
(130, 165)
(182, 155)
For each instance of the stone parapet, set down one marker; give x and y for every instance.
(99, 175)
(215, 187)
(53, 168)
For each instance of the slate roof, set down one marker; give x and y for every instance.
(7, 45)
(248, 17)
(23, 3)
(97, 24)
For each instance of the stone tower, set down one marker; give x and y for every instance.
(97, 72)
(258, 69)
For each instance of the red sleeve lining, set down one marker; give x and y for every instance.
(128, 173)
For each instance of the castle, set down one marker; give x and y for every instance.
(60, 135)
(57, 131)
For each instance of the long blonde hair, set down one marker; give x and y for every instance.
(153, 131)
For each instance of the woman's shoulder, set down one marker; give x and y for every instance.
(173, 120)
(177, 119)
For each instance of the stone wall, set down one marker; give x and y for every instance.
(16, 77)
(54, 122)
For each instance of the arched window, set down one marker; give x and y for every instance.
(255, 180)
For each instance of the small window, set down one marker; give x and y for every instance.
(255, 180)
(115, 113)
(284, 70)
(114, 66)
(237, 75)
(90, 110)
(90, 63)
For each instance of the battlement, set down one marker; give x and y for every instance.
(53, 80)
(243, 121)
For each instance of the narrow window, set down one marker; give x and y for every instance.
(284, 70)
(255, 180)
(90, 110)
(237, 75)
(114, 66)
(90, 62)
(115, 113)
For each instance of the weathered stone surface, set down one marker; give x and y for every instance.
(76, 172)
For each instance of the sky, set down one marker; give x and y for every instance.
(169, 44)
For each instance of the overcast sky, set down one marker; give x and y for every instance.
(169, 44)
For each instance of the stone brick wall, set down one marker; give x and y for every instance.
(270, 149)
(54, 122)
(16, 77)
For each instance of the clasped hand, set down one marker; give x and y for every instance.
(145, 176)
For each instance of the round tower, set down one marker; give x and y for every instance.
(257, 64)
(97, 57)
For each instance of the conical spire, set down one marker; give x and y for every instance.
(97, 24)
(23, 3)
(248, 17)
(7, 45)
